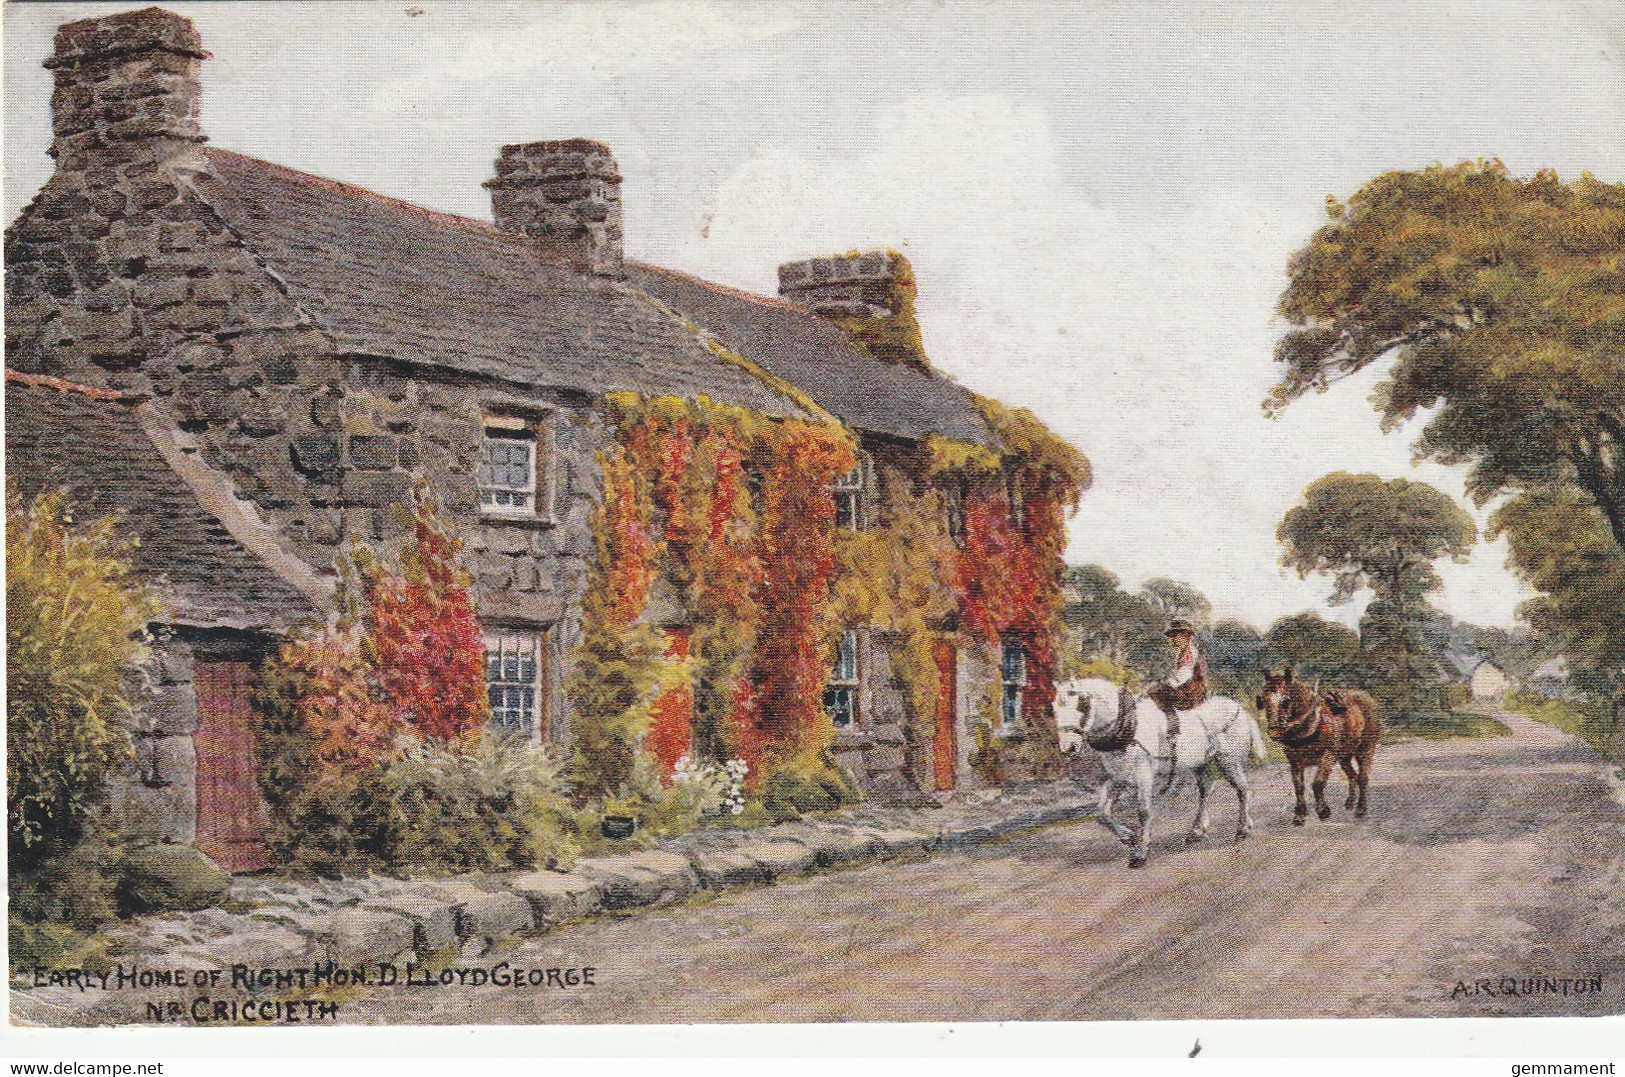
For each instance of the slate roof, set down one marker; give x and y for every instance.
(820, 360)
(389, 279)
(92, 442)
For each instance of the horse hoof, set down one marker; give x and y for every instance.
(1360, 814)
(1324, 813)
(1298, 820)
(1243, 835)
(1192, 839)
(1137, 862)
(1126, 841)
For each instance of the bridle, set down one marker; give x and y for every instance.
(1304, 725)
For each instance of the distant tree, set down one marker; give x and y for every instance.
(1313, 647)
(1105, 621)
(1234, 647)
(1367, 533)
(1174, 598)
(1384, 536)
(1503, 303)
(1235, 653)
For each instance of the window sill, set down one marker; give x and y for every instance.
(518, 519)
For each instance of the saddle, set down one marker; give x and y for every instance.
(1117, 736)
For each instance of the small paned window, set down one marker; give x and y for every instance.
(841, 696)
(954, 496)
(508, 470)
(1012, 681)
(1018, 504)
(513, 679)
(847, 490)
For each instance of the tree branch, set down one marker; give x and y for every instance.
(1594, 479)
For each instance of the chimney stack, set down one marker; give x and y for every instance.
(565, 194)
(870, 294)
(126, 88)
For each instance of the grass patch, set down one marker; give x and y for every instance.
(1445, 726)
(1588, 719)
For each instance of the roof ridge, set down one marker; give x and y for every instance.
(63, 385)
(367, 194)
(723, 289)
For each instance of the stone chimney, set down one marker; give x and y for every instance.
(126, 88)
(565, 194)
(870, 294)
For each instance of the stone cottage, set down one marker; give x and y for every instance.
(318, 347)
(226, 589)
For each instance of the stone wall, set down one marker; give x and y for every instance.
(165, 303)
(157, 796)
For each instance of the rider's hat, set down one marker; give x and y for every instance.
(1178, 625)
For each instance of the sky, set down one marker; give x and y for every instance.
(1099, 199)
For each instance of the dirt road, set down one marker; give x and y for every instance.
(1496, 860)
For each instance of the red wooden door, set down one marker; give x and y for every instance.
(671, 734)
(946, 741)
(231, 813)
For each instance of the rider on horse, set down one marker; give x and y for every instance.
(1187, 688)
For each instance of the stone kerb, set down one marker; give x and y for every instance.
(364, 921)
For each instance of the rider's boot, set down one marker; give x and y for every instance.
(1173, 749)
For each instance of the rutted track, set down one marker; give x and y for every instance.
(1482, 859)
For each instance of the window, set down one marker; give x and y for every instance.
(1013, 680)
(954, 496)
(848, 492)
(513, 474)
(1013, 496)
(512, 679)
(841, 697)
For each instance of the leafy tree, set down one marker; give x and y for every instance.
(1173, 598)
(1367, 533)
(1385, 536)
(1105, 621)
(1562, 546)
(1315, 648)
(1503, 303)
(73, 625)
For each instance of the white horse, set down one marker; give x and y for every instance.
(1220, 732)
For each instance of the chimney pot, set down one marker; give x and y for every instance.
(863, 284)
(870, 294)
(565, 194)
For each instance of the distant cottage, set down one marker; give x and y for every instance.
(253, 365)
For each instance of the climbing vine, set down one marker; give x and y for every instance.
(889, 578)
(894, 338)
(678, 508)
(1007, 574)
(781, 719)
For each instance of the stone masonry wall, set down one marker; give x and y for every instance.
(157, 796)
(121, 278)
(890, 760)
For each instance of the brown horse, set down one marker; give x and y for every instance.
(1316, 729)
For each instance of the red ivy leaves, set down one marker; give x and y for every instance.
(1007, 577)
(425, 633)
(783, 713)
